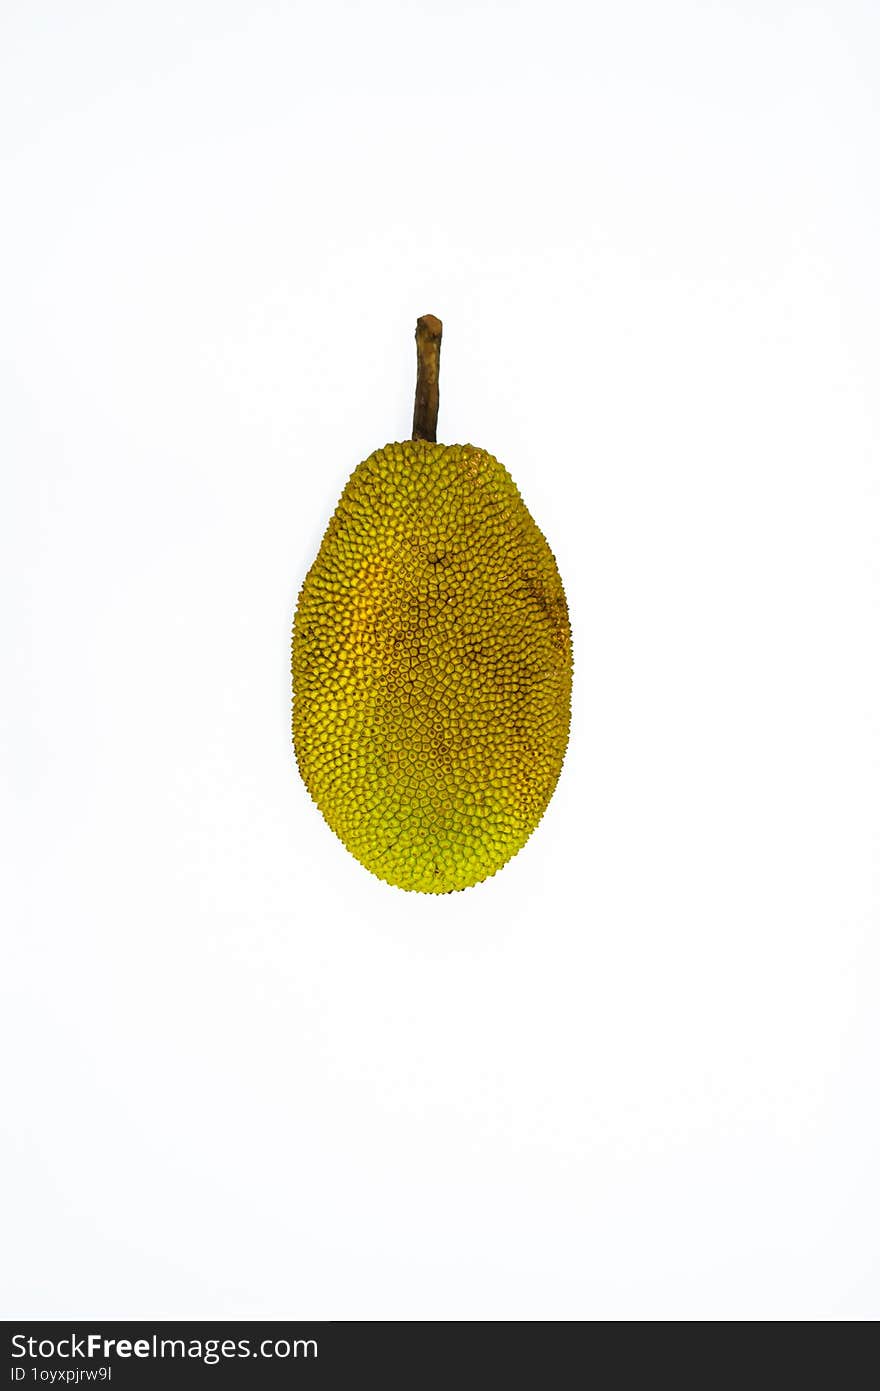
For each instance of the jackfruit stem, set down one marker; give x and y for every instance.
(429, 331)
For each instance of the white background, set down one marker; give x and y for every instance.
(635, 1074)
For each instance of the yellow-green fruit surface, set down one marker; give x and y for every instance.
(431, 668)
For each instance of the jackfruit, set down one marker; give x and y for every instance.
(431, 661)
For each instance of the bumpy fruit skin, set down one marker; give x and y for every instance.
(431, 668)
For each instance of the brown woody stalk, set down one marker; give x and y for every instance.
(429, 331)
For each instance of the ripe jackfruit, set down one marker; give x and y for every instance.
(431, 667)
